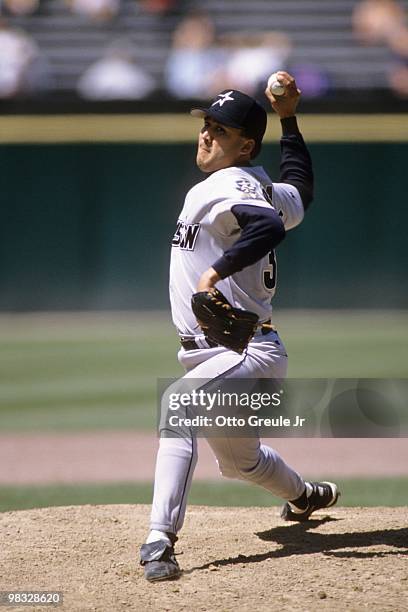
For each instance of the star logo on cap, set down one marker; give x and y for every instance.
(223, 98)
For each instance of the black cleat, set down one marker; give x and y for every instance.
(159, 561)
(324, 495)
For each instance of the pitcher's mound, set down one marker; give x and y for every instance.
(240, 559)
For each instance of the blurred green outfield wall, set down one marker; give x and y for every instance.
(88, 226)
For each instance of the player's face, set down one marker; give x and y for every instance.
(221, 146)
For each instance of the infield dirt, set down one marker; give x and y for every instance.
(237, 559)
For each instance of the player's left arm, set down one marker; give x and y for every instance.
(261, 230)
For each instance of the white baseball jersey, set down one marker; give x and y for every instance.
(207, 227)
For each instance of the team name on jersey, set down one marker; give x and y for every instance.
(186, 235)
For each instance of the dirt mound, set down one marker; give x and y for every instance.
(234, 559)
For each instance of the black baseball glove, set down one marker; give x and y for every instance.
(222, 323)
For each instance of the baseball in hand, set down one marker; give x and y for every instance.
(275, 86)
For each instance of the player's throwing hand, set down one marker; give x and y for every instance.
(286, 104)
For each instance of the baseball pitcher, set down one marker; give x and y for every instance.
(223, 275)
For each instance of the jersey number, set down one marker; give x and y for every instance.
(269, 275)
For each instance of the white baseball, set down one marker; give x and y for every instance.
(275, 86)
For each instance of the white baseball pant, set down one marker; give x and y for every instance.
(241, 458)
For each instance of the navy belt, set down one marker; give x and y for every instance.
(189, 344)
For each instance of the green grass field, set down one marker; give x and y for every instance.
(62, 372)
(354, 492)
(100, 371)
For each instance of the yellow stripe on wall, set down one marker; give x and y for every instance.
(170, 128)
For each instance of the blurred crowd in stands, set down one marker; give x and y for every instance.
(96, 10)
(200, 61)
(377, 22)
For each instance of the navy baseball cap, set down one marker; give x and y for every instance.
(235, 109)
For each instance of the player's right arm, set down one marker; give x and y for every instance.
(296, 163)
